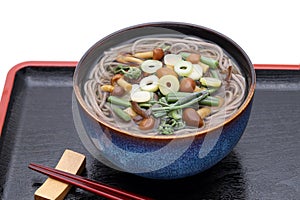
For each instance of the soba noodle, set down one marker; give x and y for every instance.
(232, 91)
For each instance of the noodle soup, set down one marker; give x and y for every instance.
(165, 85)
(162, 100)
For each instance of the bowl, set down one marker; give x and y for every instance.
(159, 156)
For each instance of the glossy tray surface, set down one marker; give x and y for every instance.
(37, 126)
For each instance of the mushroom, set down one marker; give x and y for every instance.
(204, 112)
(156, 54)
(127, 58)
(187, 85)
(107, 88)
(118, 91)
(229, 74)
(147, 123)
(165, 71)
(193, 58)
(135, 106)
(199, 89)
(118, 78)
(130, 112)
(192, 118)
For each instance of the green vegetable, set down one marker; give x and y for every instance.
(175, 96)
(208, 101)
(165, 129)
(121, 113)
(118, 101)
(214, 74)
(128, 71)
(159, 114)
(212, 63)
(190, 98)
(169, 124)
(164, 46)
(210, 82)
(176, 114)
(184, 103)
(184, 55)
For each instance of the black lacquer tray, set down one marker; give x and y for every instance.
(36, 125)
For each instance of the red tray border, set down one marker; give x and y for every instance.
(10, 78)
(8, 86)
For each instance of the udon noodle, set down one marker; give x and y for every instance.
(231, 92)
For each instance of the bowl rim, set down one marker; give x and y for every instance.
(244, 105)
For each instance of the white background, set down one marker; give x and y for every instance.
(62, 30)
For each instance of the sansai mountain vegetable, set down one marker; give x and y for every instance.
(128, 71)
(173, 90)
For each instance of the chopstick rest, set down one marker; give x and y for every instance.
(52, 189)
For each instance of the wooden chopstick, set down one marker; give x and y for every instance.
(85, 183)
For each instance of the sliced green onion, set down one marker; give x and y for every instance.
(184, 55)
(118, 101)
(212, 63)
(164, 47)
(210, 82)
(121, 113)
(214, 73)
(183, 68)
(210, 101)
(175, 96)
(150, 66)
(145, 105)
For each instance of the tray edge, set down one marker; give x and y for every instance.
(9, 82)
(277, 66)
(10, 78)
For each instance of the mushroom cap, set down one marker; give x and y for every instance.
(115, 78)
(158, 53)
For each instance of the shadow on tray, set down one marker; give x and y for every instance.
(223, 181)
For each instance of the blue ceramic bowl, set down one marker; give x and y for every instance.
(160, 156)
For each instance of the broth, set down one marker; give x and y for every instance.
(165, 84)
